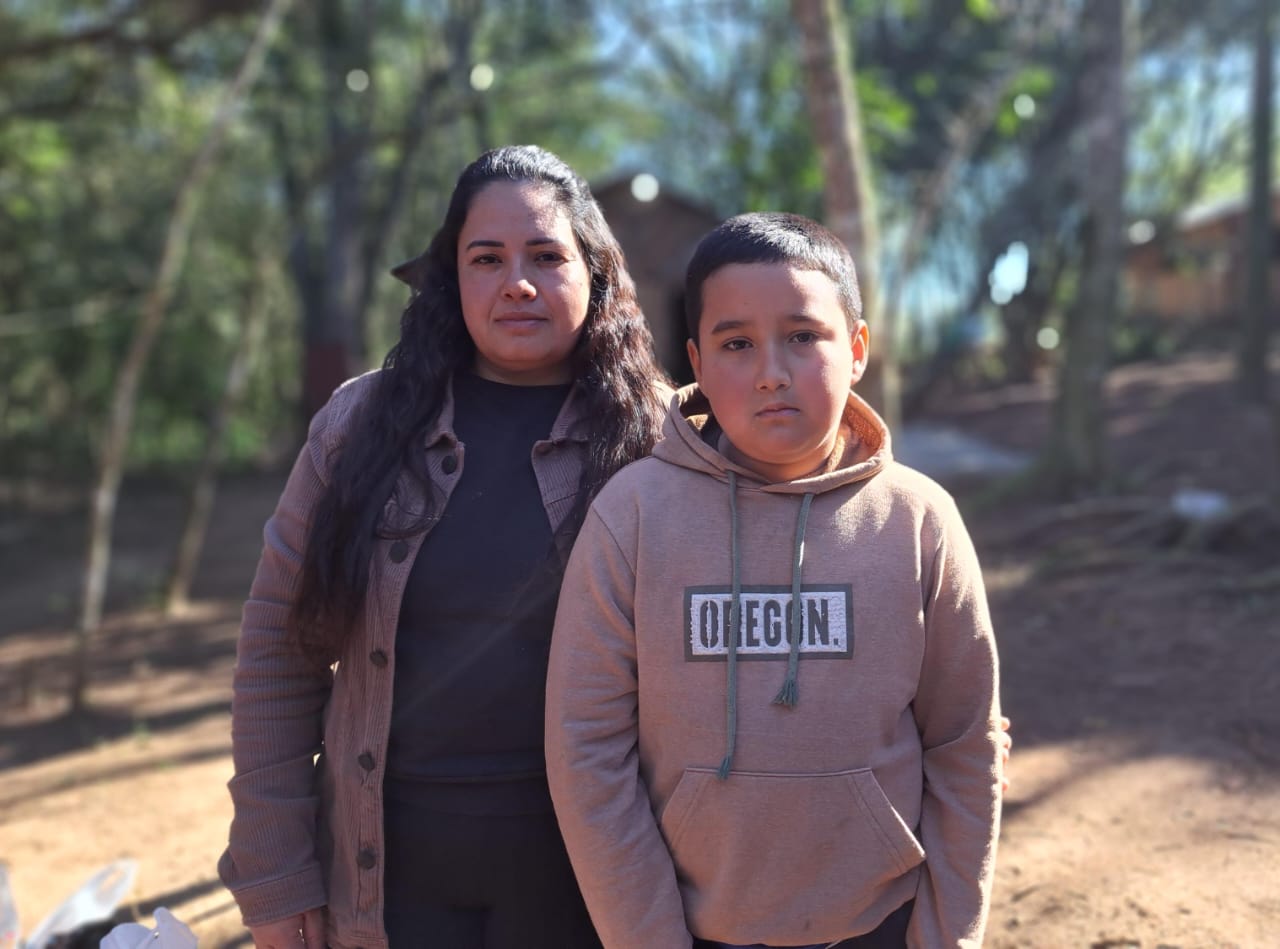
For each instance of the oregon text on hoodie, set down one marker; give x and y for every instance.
(797, 780)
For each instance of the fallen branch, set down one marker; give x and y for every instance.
(1083, 561)
(1263, 581)
(1077, 511)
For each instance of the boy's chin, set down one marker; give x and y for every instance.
(788, 466)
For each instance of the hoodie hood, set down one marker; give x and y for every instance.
(863, 448)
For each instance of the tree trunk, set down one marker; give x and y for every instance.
(204, 485)
(963, 135)
(336, 280)
(428, 110)
(333, 320)
(1076, 456)
(848, 193)
(1256, 315)
(124, 400)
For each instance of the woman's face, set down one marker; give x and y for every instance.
(524, 284)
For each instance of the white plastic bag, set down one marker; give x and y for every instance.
(9, 931)
(95, 901)
(169, 933)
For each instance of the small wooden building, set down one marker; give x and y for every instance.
(1195, 270)
(658, 237)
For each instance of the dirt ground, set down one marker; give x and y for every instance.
(1140, 668)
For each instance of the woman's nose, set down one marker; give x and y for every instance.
(518, 287)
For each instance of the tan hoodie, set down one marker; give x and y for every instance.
(879, 784)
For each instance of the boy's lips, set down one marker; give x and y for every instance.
(777, 410)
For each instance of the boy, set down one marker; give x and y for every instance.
(772, 707)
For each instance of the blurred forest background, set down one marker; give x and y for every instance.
(200, 210)
(201, 201)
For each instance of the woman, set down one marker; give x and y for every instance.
(401, 614)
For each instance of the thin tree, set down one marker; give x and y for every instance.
(1075, 459)
(335, 259)
(154, 308)
(204, 484)
(963, 134)
(848, 192)
(1256, 315)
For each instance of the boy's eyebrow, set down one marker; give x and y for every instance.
(725, 325)
(531, 242)
(728, 325)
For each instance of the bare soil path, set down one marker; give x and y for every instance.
(1141, 668)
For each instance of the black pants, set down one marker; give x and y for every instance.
(890, 934)
(462, 881)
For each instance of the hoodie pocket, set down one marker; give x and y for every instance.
(818, 847)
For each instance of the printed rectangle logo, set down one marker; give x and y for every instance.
(826, 622)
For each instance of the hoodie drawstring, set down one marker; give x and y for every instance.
(789, 693)
(735, 611)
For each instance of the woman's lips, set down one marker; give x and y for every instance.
(521, 320)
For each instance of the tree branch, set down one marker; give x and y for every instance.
(124, 399)
(117, 32)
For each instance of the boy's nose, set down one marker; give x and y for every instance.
(773, 372)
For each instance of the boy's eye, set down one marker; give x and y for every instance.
(805, 336)
(734, 345)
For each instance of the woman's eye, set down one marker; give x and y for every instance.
(485, 259)
(550, 257)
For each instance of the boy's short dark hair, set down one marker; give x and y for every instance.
(771, 238)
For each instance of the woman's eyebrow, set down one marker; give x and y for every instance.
(531, 242)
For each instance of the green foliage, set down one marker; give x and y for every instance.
(1190, 129)
(97, 134)
(982, 9)
(1034, 82)
(890, 117)
(919, 66)
(90, 195)
(1142, 340)
(718, 104)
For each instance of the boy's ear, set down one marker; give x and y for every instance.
(695, 359)
(860, 342)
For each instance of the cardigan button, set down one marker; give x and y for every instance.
(366, 761)
(378, 658)
(399, 550)
(450, 464)
(366, 859)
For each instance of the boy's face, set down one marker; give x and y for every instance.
(775, 358)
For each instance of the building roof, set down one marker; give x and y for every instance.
(667, 193)
(1211, 212)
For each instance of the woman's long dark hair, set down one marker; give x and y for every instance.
(612, 363)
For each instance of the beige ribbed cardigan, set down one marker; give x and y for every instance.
(307, 834)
